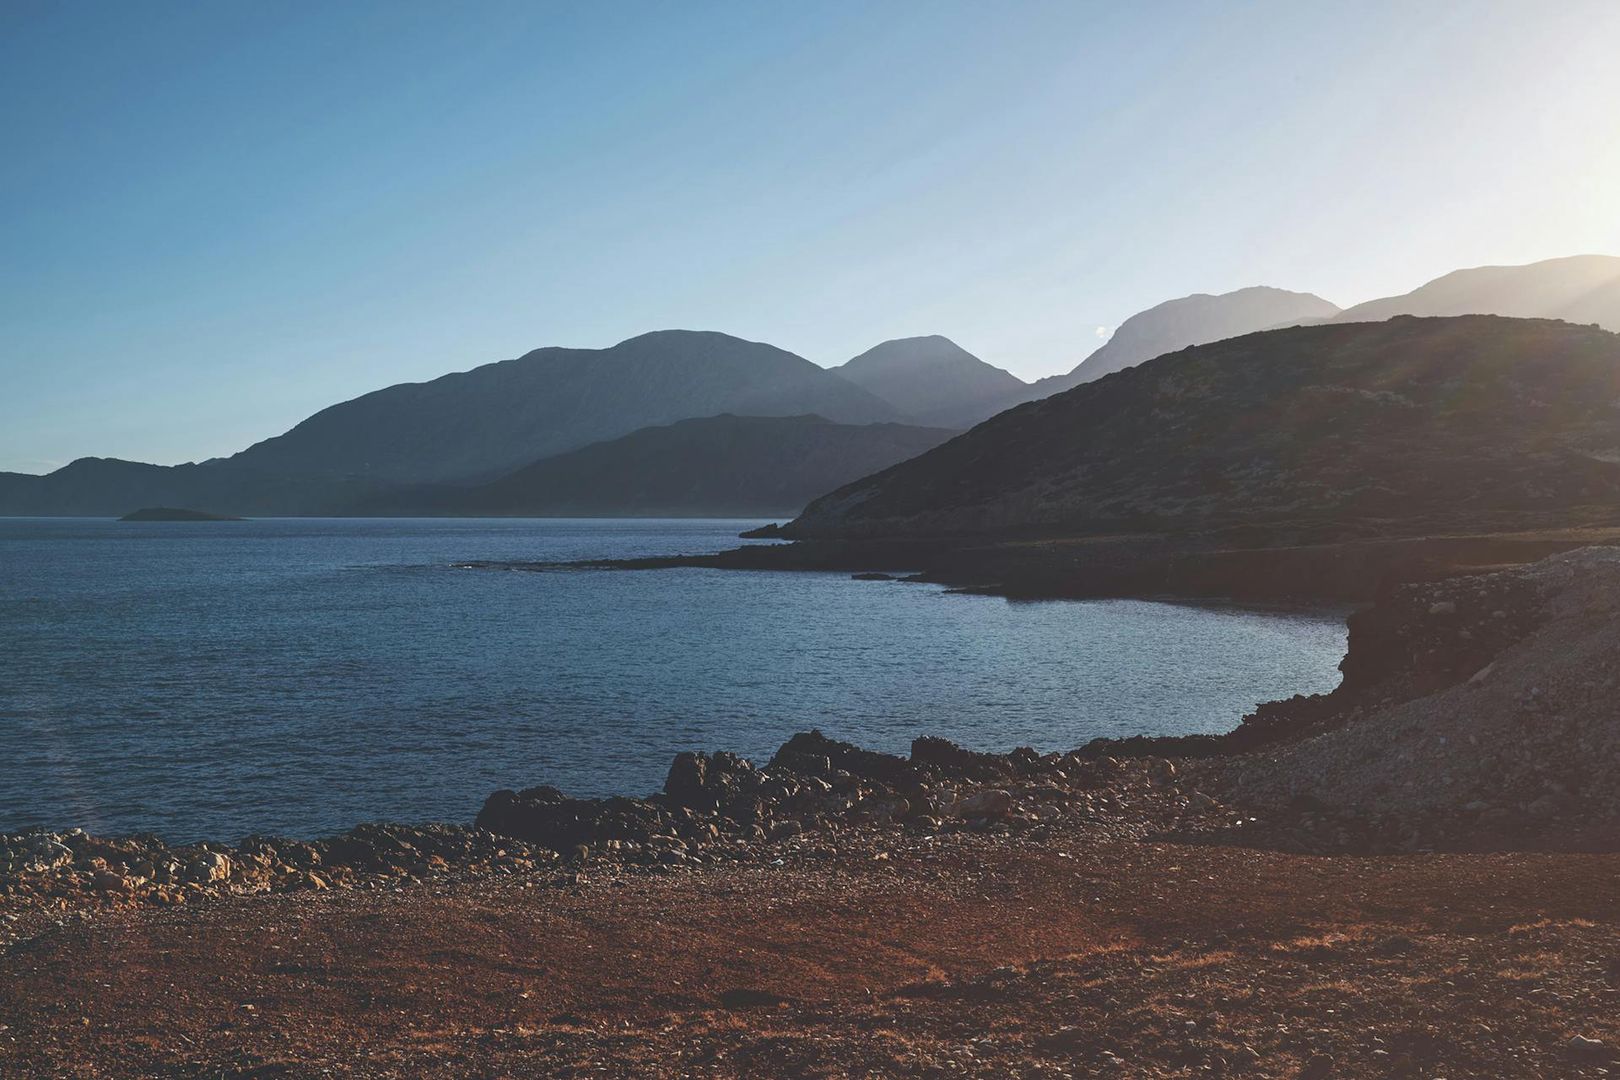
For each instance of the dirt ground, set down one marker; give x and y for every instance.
(935, 956)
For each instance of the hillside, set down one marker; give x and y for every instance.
(1190, 320)
(1388, 428)
(933, 380)
(714, 466)
(1578, 289)
(501, 416)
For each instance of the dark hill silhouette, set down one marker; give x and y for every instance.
(1578, 289)
(174, 513)
(498, 417)
(1472, 423)
(110, 487)
(934, 380)
(715, 466)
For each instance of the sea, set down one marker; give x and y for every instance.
(296, 677)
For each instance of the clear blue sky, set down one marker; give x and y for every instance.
(216, 218)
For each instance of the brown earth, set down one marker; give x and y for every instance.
(894, 954)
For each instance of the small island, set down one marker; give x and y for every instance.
(170, 513)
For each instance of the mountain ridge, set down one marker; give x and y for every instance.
(1573, 288)
(503, 415)
(1337, 427)
(1194, 319)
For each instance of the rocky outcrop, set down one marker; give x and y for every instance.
(1477, 712)
(722, 806)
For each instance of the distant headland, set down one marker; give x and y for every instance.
(171, 513)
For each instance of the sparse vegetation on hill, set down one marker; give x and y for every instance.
(1474, 424)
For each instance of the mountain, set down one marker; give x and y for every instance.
(933, 380)
(717, 466)
(1578, 289)
(1191, 320)
(495, 418)
(1390, 428)
(110, 487)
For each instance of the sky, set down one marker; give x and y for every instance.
(217, 218)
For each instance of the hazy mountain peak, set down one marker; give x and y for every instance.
(1575, 288)
(677, 336)
(933, 380)
(925, 348)
(482, 422)
(1197, 320)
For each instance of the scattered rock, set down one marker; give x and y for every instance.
(1581, 1048)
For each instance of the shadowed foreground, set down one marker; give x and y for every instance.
(918, 956)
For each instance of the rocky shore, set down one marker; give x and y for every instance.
(814, 796)
(1475, 713)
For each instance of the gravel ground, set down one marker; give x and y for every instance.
(969, 955)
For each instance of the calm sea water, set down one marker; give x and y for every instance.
(300, 676)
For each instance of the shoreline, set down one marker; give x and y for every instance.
(1372, 665)
(1243, 569)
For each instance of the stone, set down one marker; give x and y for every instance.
(688, 780)
(993, 803)
(107, 881)
(1581, 1048)
(209, 867)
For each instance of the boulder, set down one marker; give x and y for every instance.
(813, 754)
(993, 804)
(946, 757)
(546, 817)
(209, 867)
(707, 782)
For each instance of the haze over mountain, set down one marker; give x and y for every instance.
(474, 427)
(1577, 289)
(718, 466)
(501, 416)
(933, 380)
(1190, 320)
(1385, 428)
